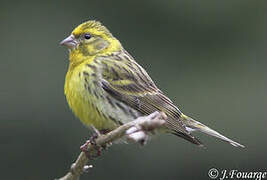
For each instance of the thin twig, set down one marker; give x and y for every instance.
(135, 130)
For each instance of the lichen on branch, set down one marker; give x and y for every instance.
(137, 131)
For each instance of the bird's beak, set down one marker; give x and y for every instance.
(69, 42)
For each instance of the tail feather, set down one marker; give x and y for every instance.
(193, 125)
(189, 138)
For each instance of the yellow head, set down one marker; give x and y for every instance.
(89, 39)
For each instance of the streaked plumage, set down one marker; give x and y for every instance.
(105, 87)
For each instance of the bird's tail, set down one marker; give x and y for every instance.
(193, 125)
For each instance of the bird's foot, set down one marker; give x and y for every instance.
(96, 150)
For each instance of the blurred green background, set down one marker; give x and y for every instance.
(209, 57)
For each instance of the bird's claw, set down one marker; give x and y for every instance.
(97, 150)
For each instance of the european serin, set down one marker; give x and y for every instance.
(105, 87)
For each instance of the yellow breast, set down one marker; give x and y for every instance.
(83, 102)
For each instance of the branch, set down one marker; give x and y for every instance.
(136, 131)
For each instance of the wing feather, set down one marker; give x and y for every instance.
(128, 82)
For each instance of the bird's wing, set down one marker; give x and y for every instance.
(128, 82)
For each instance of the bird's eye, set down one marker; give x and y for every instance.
(87, 36)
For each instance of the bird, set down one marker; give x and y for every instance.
(105, 87)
